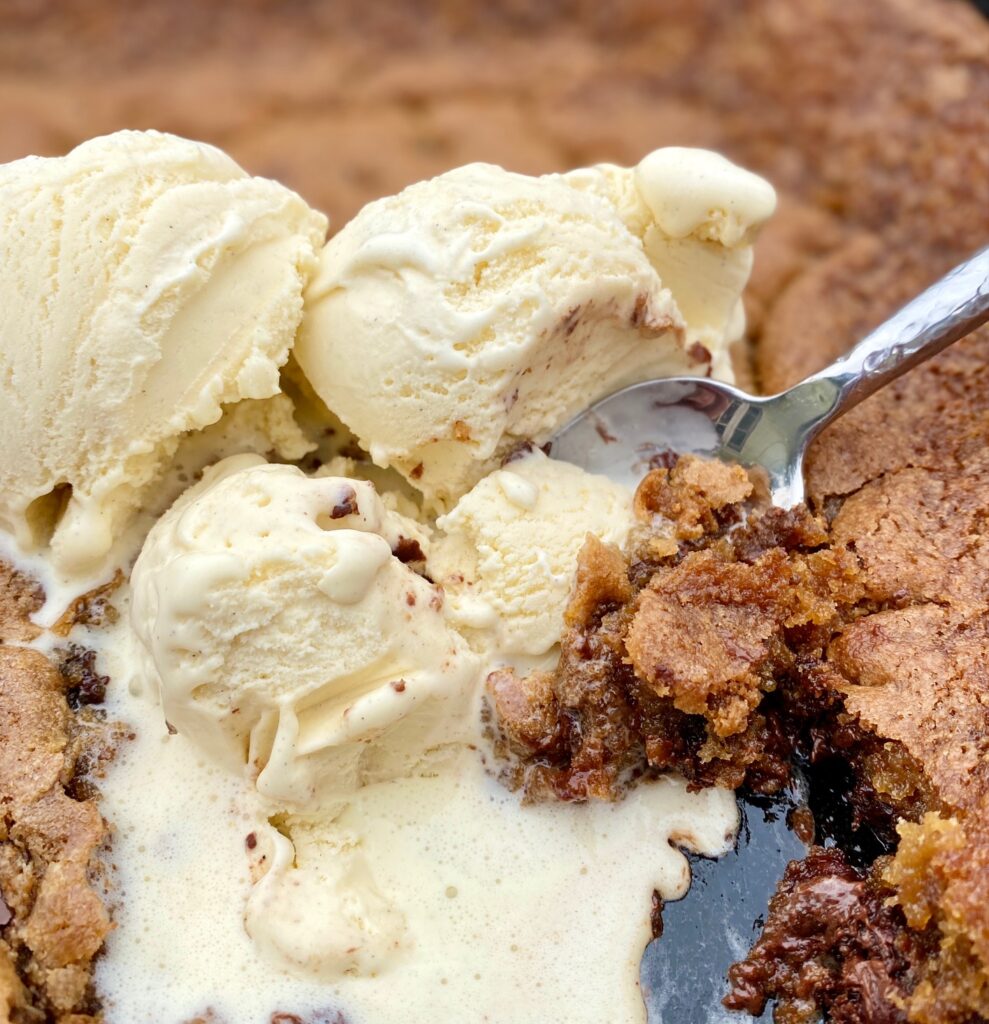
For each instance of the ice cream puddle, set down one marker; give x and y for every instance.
(492, 912)
(308, 823)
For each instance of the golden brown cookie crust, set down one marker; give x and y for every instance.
(48, 842)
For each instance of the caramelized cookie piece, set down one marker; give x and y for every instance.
(711, 632)
(47, 842)
(13, 998)
(669, 652)
(571, 730)
(94, 608)
(601, 585)
(709, 651)
(941, 877)
(527, 711)
(571, 734)
(692, 496)
(831, 945)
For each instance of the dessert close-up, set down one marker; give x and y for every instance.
(361, 659)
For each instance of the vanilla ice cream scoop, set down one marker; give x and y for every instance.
(696, 215)
(145, 280)
(507, 557)
(287, 633)
(483, 307)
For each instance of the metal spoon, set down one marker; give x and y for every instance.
(683, 975)
(689, 415)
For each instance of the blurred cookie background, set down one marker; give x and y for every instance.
(871, 119)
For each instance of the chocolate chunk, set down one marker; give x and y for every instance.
(94, 608)
(831, 945)
(664, 458)
(408, 550)
(656, 914)
(518, 451)
(84, 685)
(699, 353)
(346, 504)
(570, 321)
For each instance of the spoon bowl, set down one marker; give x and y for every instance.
(640, 427)
(627, 433)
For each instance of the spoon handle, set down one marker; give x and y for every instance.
(945, 312)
